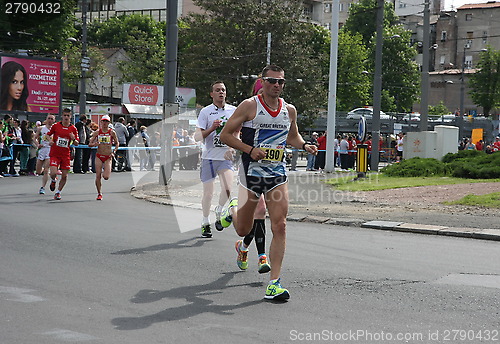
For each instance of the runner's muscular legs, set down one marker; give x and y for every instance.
(277, 206)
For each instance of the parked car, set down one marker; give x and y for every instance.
(367, 113)
(446, 118)
(411, 117)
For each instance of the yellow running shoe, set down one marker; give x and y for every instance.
(242, 259)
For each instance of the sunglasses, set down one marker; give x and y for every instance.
(274, 80)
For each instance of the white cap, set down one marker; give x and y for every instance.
(105, 118)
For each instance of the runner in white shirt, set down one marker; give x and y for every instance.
(216, 157)
(43, 158)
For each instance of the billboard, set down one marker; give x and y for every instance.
(30, 84)
(141, 94)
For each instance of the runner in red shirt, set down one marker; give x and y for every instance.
(63, 134)
(104, 139)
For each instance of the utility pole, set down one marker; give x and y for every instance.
(332, 89)
(85, 62)
(169, 92)
(424, 87)
(268, 60)
(377, 87)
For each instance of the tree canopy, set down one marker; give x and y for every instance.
(400, 74)
(229, 41)
(41, 33)
(141, 37)
(485, 82)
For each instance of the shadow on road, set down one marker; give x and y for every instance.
(193, 295)
(196, 242)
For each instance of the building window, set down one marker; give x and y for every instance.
(442, 59)
(485, 37)
(341, 7)
(328, 8)
(443, 36)
(468, 17)
(468, 62)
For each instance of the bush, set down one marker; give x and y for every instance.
(462, 155)
(417, 167)
(464, 164)
(482, 166)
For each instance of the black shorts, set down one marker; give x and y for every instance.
(259, 185)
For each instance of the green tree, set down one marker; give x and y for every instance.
(438, 110)
(400, 74)
(229, 40)
(363, 17)
(353, 80)
(41, 33)
(141, 37)
(485, 83)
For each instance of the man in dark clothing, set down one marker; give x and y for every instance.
(78, 166)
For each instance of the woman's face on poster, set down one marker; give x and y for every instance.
(16, 86)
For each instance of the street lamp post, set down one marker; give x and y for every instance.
(462, 84)
(460, 119)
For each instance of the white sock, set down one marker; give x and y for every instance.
(242, 246)
(58, 191)
(205, 220)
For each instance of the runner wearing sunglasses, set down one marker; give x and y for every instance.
(267, 124)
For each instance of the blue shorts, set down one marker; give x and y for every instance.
(210, 168)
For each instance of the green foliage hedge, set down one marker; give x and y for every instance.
(464, 164)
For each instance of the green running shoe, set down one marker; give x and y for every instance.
(275, 291)
(242, 259)
(263, 264)
(226, 218)
(206, 231)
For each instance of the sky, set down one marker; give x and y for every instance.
(449, 4)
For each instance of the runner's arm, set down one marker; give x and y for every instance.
(294, 138)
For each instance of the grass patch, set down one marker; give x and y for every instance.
(382, 182)
(491, 200)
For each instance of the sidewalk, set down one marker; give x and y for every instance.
(311, 200)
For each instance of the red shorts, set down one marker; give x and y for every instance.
(63, 163)
(103, 157)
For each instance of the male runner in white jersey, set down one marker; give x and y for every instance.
(43, 158)
(267, 124)
(216, 157)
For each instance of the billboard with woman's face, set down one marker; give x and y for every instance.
(30, 84)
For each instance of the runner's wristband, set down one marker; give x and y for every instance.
(304, 146)
(250, 153)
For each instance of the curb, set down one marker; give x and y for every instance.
(472, 233)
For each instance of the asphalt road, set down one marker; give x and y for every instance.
(122, 271)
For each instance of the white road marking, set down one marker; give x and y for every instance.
(19, 295)
(69, 336)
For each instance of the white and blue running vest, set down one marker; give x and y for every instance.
(268, 131)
